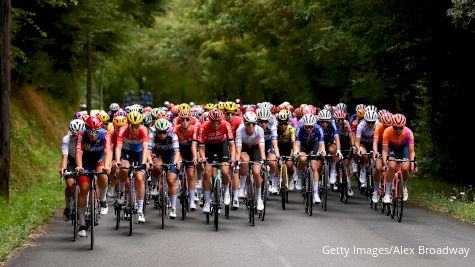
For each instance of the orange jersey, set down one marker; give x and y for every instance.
(184, 137)
(378, 132)
(390, 137)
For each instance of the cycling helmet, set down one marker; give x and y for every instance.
(147, 119)
(263, 114)
(283, 115)
(183, 106)
(339, 114)
(114, 107)
(309, 109)
(250, 116)
(266, 105)
(342, 107)
(298, 112)
(290, 108)
(210, 106)
(174, 110)
(360, 113)
(386, 119)
(324, 115)
(328, 107)
(103, 116)
(184, 114)
(134, 117)
(359, 106)
(275, 110)
(204, 117)
(84, 117)
(230, 106)
(120, 112)
(155, 112)
(282, 107)
(163, 115)
(192, 104)
(162, 125)
(370, 116)
(215, 115)
(127, 109)
(398, 120)
(93, 123)
(199, 110)
(220, 106)
(309, 119)
(119, 121)
(76, 125)
(371, 108)
(77, 115)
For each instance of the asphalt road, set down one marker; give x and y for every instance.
(352, 235)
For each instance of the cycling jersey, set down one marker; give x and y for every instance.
(390, 138)
(68, 147)
(169, 144)
(378, 132)
(93, 148)
(130, 142)
(330, 132)
(184, 137)
(308, 141)
(256, 138)
(365, 133)
(237, 121)
(287, 136)
(207, 134)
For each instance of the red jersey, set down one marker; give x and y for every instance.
(133, 143)
(177, 121)
(206, 133)
(184, 138)
(235, 124)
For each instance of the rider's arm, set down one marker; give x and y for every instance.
(275, 145)
(144, 133)
(79, 150)
(232, 150)
(108, 150)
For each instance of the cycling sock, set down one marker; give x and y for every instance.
(82, 216)
(121, 187)
(333, 166)
(258, 193)
(207, 196)
(388, 188)
(315, 187)
(376, 186)
(173, 201)
(236, 195)
(140, 206)
(103, 194)
(191, 196)
(276, 181)
(299, 174)
(242, 182)
(155, 181)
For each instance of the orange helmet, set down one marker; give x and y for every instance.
(119, 121)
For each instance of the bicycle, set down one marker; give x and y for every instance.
(131, 205)
(368, 191)
(92, 206)
(307, 184)
(284, 180)
(73, 211)
(184, 193)
(216, 191)
(397, 193)
(264, 187)
(343, 177)
(323, 185)
(250, 199)
(162, 200)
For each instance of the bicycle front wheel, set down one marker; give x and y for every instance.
(324, 180)
(216, 203)
(75, 213)
(92, 215)
(400, 198)
(283, 184)
(310, 192)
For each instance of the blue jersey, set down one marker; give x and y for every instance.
(309, 140)
(330, 132)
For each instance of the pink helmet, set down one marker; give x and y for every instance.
(386, 119)
(339, 114)
(398, 120)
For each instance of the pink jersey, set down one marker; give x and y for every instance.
(390, 137)
(133, 143)
(206, 133)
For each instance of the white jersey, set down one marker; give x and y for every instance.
(365, 133)
(255, 138)
(68, 148)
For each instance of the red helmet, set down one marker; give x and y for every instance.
(93, 123)
(339, 114)
(398, 120)
(298, 112)
(215, 115)
(291, 108)
(386, 118)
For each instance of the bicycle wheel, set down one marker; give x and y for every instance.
(74, 213)
(400, 198)
(131, 208)
(251, 199)
(216, 203)
(324, 187)
(310, 192)
(283, 184)
(394, 203)
(117, 209)
(92, 214)
(305, 190)
(343, 184)
(183, 199)
(163, 203)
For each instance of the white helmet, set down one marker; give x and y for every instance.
(263, 114)
(328, 107)
(266, 105)
(114, 107)
(342, 107)
(324, 115)
(370, 116)
(76, 125)
(371, 108)
(309, 119)
(250, 116)
(162, 125)
(360, 106)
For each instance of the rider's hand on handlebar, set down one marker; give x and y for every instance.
(117, 164)
(79, 169)
(322, 153)
(338, 153)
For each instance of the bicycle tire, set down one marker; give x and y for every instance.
(92, 213)
(75, 213)
(251, 199)
(305, 189)
(265, 190)
(131, 208)
(324, 187)
(163, 202)
(217, 200)
(117, 209)
(184, 201)
(344, 179)
(310, 193)
(394, 202)
(400, 198)
(283, 184)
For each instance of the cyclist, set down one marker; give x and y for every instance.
(309, 139)
(364, 142)
(385, 119)
(250, 145)
(347, 139)
(271, 146)
(164, 148)
(113, 108)
(398, 142)
(184, 131)
(332, 140)
(286, 142)
(117, 122)
(68, 161)
(93, 152)
(132, 143)
(216, 137)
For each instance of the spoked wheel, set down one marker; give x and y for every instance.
(324, 196)
(92, 214)
(283, 184)
(216, 203)
(183, 198)
(117, 209)
(264, 196)
(251, 197)
(400, 199)
(306, 193)
(310, 192)
(163, 205)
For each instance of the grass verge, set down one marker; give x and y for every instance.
(444, 198)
